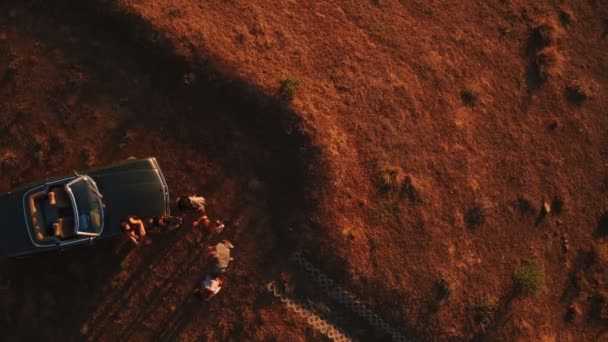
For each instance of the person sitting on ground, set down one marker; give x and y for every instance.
(209, 287)
(135, 230)
(166, 223)
(194, 204)
(126, 228)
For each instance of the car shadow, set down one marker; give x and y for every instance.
(133, 95)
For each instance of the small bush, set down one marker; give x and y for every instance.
(88, 155)
(468, 97)
(524, 206)
(484, 310)
(8, 159)
(565, 17)
(547, 62)
(385, 210)
(557, 205)
(42, 149)
(443, 288)
(391, 177)
(529, 278)
(599, 306)
(288, 88)
(542, 36)
(600, 252)
(578, 91)
(475, 216)
(602, 224)
(409, 190)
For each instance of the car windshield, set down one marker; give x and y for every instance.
(88, 208)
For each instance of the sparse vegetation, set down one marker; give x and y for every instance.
(409, 190)
(542, 35)
(443, 288)
(475, 216)
(578, 91)
(599, 306)
(565, 17)
(600, 252)
(602, 225)
(391, 177)
(529, 278)
(41, 150)
(524, 206)
(392, 180)
(288, 87)
(468, 97)
(88, 154)
(557, 205)
(547, 62)
(484, 310)
(385, 210)
(8, 159)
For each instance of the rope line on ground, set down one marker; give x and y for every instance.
(314, 320)
(345, 298)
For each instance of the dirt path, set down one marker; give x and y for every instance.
(80, 89)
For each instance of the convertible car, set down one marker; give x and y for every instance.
(78, 209)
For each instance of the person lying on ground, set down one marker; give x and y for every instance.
(165, 223)
(209, 287)
(220, 256)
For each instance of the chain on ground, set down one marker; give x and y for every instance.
(314, 320)
(346, 299)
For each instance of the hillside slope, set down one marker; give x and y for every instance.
(431, 136)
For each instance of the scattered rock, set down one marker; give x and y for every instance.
(546, 208)
(3, 36)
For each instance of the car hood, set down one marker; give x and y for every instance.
(130, 193)
(14, 237)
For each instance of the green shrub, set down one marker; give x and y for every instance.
(484, 310)
(529, 278)
(288, 88)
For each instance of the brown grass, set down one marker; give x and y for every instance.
(548, 63)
